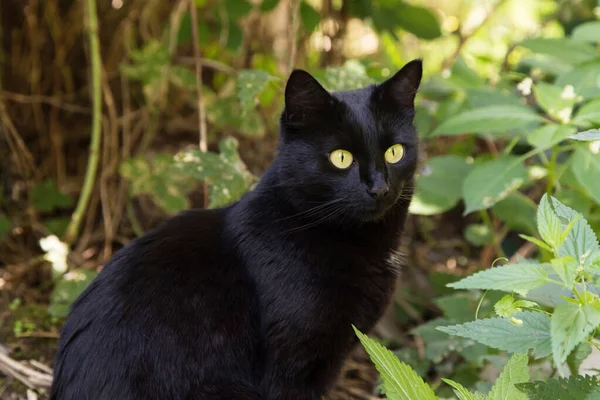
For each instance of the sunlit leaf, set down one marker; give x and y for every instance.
(250, 84)
(491, 119)
(439, 185)
(591, 135)
(500, 333)
(400, 382)
(588, 114)
(508, 278)
(492, 181)
(515, 371)
(587, 32)
(417, 20)
(459, 390)
(548, 135)
(562, 48)
(557, 101)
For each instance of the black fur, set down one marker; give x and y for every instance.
(256, 300)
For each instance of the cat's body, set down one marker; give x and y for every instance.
(255, 300)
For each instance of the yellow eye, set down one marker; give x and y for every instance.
(394, 153)
(341, 159)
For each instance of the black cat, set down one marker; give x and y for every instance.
(256, 300)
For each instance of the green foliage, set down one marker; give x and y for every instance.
(576, 387)
(400, 382)
(250, 84)
(5, 226)
(46, 197)
(492, 181)
(514, 372)
(67, 289)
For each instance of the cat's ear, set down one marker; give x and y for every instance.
(400, 89)
(305, 98)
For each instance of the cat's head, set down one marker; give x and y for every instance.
(351, 153)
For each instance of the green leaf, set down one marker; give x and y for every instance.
(581, 242)
(268, 5)
(400, 381)
(561, 48)
(417, 20)
(439, 186)
(225, 173)
(459, 390)
(576, 387)
(250, 83)
(351, 75)
(537, 242)
(517, 211)
(555, 100)
(491, 119)
(438, 345)
(566, 268)
(549, 225)
(67, 289)
(237, 9)
(577, 357)
(5, 226)
(586, 168)
(309, 16)
(507, 306)
(500, 333)
(483, 97)
(46, 197)
(587, 32)
(459, 306)
(587, 115)
(479, 234)
(583, 78)
(591, 135)
(492, 181)
(571, 324)
(548, 135)
(514, 372)
(508, 278)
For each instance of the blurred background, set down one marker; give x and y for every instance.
(118, 113)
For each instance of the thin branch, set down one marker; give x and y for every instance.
(92, 167)
(208, 63)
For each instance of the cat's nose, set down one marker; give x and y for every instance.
(379, 191)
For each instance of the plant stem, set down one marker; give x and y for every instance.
(551, 171)
(92, 167)
(485, 216)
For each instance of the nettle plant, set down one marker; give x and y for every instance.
(518, 133)
(551, 312)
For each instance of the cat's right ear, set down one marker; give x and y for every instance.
(305, 98)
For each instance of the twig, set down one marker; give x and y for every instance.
(54, 102)
(201, 114)
(27, 375)
(92, 167)
(293, 45)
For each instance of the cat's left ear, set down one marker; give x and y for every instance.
(400, 89)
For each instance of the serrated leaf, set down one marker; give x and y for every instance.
(67, 289)
(591, 135)
(581, 242)
(576, 387)
(517, 211)
(586, 168)
(555, 100)
(566, 269)
(506, 306)
(439, 185)
(459, 390)
(491, 119)
(549, 225)
(548, 135)
(536, 241)
(492, 181)
(515, 371)
(499, 333)
(563, 49)
(459, 306)
(46, 197)
(571, 324)
(587, 32)
(250, 83)
(400, 381)
(508, 278)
